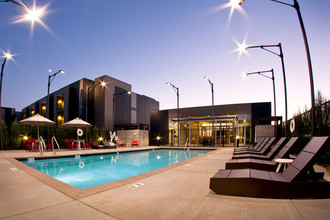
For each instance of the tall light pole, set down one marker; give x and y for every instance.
(103, 84)
(273, 79)
(50, 80)
(176, 90)
(9, 57)
(265, 47)
(295, 5)
(212, 91)
(115, 96)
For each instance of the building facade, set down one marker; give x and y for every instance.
(104, 102)
(199, 126)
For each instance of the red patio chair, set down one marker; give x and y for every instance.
(72, 145)
(121, 144)
(88, 145)
(28, 145)
(34, 145)
(135, 143)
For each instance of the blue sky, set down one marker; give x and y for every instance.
(147, 43)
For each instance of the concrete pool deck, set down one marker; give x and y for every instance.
(179, 192)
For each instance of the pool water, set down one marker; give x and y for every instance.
(88, 171)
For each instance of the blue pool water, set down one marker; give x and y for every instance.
(89, 171)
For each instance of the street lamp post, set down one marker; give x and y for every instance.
(50, 80)
(15, 2)
(9, 57)
(296, 6)
(264, 47)
(87, 95)
(115, 96)
(273, 79)
(212, 91)
(176, 89)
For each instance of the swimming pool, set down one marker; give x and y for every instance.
(88, 171)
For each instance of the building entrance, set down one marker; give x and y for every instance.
(197, 131)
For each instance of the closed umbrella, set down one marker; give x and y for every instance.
(37, 120)
(78, 123)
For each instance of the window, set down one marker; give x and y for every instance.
(32, 111)
(43, 108)
(60, 102)
(60, 118)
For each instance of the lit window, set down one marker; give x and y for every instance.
(32, 111)
(60, 102)
(60, 119)
(43, 108)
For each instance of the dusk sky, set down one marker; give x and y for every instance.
(147, 43)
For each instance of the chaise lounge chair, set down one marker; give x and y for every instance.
(264, 149)
(270, 155)
(298, 181)
(260, 144)
(261, 162)
(109, 145)
(96, 145)
(256, 145)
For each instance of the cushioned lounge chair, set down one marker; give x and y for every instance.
(96, 145)
(249, 148)
(109, 145)
(263, 150)
(263, 162)
(298, 181)
(269, 156)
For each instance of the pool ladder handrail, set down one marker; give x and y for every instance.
(58, 146)
(43, 145)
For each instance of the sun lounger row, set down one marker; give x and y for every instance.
(254, 175)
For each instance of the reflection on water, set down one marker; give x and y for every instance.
(88, 171)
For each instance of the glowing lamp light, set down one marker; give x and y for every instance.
(100, 138)
(235, 3)
(34, 14)
(158, 138)
(244, 75)
(25, 137)
(158, 157)
(43, 107)
(103, 84)
(8, 56)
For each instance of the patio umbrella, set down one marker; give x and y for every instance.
(37, 120)
(78, 123)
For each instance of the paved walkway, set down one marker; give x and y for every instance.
(181, 192)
